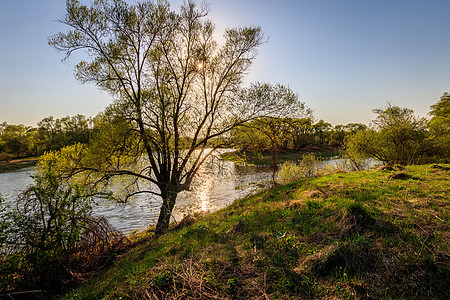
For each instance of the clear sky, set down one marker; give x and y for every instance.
(343, 58)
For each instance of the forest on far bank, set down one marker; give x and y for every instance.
(19, 141)
(427, 136)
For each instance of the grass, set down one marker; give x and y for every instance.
(17, 164)
(360, 235)
(260, 159)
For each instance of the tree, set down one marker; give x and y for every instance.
(340, 132)
(175, 89)
(442, 108)
(396, 137)
(272, 133)
(278, 131)
(16, 139)
(302, 132)
(439, 126)
(336, 136)
(322, 130)
(53, 134)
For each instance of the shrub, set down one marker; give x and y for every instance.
(307, 167)
(44, 235)
(396, 137)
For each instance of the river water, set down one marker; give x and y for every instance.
(214, 188)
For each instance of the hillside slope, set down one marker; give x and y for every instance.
(372, 234)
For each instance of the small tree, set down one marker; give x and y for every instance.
(322, 130)
(302, 132)
(340, 132)
(16, 140)
(278, 129)
(439, 126)
(53, 134)
(396, 137)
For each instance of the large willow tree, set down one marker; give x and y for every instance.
(175, 90)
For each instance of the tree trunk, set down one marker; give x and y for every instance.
(169, 199)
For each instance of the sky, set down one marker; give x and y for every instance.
(343, 57)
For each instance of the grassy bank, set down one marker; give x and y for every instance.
(17, 164)
(259, 159)
(372, 235)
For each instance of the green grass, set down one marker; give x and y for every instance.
(345, 236)
(261, 159)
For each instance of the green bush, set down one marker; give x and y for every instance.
(396, 137)
(41, 236)
(439, 127)
(307, 167)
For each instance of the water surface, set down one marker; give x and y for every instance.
(214, 188)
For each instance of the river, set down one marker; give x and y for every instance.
(213, 189)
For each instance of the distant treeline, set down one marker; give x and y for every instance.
(395, 136)
(53, 134)
(50, 134)
(291, 134)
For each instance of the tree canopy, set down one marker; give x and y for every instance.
(439, 126)
(175, 89)
(395, 137)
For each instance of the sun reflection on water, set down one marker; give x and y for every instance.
(204, 187)
(203, 193)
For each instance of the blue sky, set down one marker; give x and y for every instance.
(343, 58)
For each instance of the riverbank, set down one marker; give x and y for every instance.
(17, 164)
(265, 159)
(372, 234)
